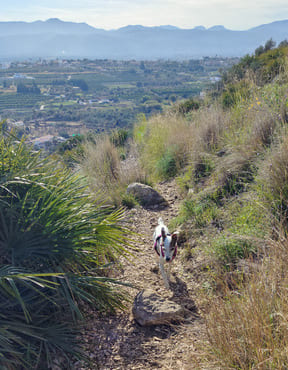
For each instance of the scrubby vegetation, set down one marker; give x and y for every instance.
(229, 155)
(108, 174)
(56, 241)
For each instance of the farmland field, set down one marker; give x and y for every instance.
(98, 95)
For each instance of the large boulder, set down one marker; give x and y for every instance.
(147, 196)
(151, 309)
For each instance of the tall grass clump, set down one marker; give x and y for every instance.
(250, 130)
(211, 122)
(108, 170)
(248, 328)
(170, 142)
(101, 163)
(163, 144)
(273, 177)
(234, 172)
(55, 241)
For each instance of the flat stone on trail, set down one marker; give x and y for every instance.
(146, 195)
(151, 309)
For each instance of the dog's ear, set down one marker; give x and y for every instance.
(174, 239)
(163, 234)
(175, 235)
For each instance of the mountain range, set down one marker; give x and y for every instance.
(58, 39)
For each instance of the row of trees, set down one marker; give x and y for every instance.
(28, 89)
(266, 63)
(269, 45)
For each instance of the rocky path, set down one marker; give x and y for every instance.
(118, 342)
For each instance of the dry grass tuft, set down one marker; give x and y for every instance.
(211, 123)
(248, 328)
(101, 162)
(262, 130)
(172, 142)
(166, 143)
(108, 175)
(234, 171)
(273, 176)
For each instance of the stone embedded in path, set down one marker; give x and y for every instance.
(146, 195)
(151, 309)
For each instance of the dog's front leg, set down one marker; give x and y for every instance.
(168, 271)
(163, 273)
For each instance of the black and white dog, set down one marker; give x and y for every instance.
(165, 245)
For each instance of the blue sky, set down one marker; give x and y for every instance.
(109, 14)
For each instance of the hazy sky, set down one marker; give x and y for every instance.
(109, 14)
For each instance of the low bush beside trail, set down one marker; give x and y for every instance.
(56, 240)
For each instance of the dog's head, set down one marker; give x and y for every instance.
(168, 245)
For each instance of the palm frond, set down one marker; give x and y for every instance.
(55, 243)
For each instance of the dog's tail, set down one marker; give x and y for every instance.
(160, 221)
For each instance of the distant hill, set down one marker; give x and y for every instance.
(55, 38)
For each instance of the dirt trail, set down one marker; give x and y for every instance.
(118, 342)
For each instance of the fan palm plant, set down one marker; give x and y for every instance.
(55, 240)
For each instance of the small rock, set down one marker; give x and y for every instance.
(151, 309)
(147, 196)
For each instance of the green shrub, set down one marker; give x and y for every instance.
(188, 106)
(140, 128)
(119, 137)
(235, 172)
(249, 217)
(166, 166)
(201, 210)
(203, 167)
(247, 224)
(236, 183)
(186, 181)
(55, 241)
(163, 144)
(234, 93)
(229, 249)
(129, 201)
(265, 65)
(228, 100)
